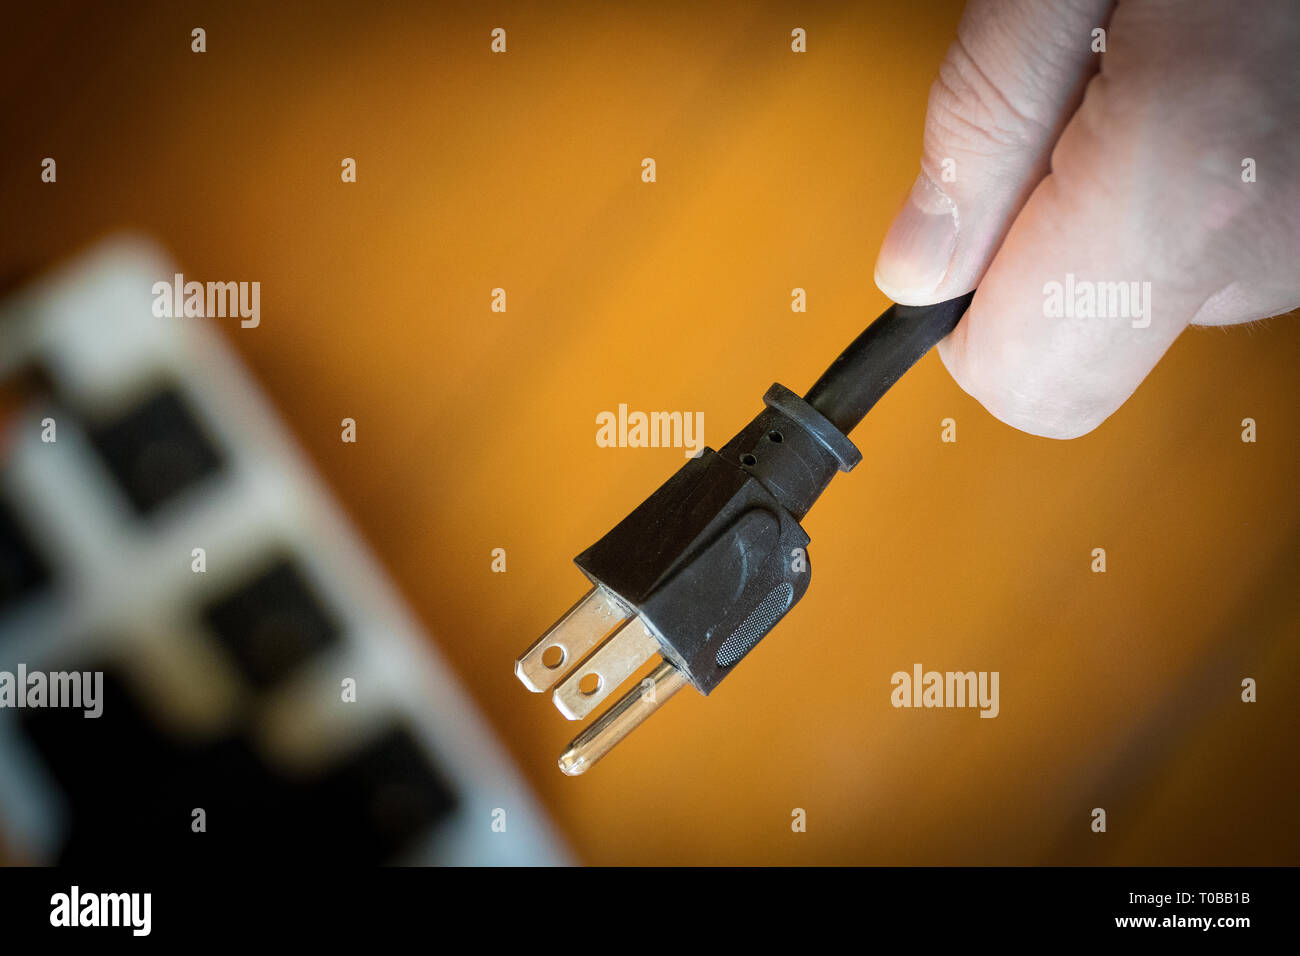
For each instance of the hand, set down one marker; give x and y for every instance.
(1051, 174)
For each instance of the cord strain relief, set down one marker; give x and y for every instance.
(816, 424)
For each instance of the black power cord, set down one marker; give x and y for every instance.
(706, 566)
(878, 357)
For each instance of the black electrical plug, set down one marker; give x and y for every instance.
(706, 566)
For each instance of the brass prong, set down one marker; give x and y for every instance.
(577, 632)
(621, 719)
(612, 663)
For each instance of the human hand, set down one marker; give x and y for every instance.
(1051, 175)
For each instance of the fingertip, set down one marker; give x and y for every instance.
(905, 296)
(918, 248)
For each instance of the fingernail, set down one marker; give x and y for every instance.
(918, 249)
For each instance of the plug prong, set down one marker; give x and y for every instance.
(581, 628)
(613, 662)
(621, 719)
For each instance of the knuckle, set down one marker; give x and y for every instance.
(967, 111)
(1033, 405)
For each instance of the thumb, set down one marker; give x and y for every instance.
(1006, 89)
(1145, 223)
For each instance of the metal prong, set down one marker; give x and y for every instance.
(576, 633)
(621, 719)
(614, 662)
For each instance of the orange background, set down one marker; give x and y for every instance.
(476, 429)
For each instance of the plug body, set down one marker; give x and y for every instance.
(716, 556)
(706, 566)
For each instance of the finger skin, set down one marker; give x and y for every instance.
(1007, 87)
(1146, 189)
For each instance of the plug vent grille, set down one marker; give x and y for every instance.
(753, 627)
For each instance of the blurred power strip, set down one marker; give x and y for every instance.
(224, 688)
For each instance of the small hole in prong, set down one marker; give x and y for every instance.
(553, 657)
(775, 436)
(590, 683)
(749, 461)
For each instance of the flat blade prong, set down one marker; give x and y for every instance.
(577, 632)
(612, 663)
